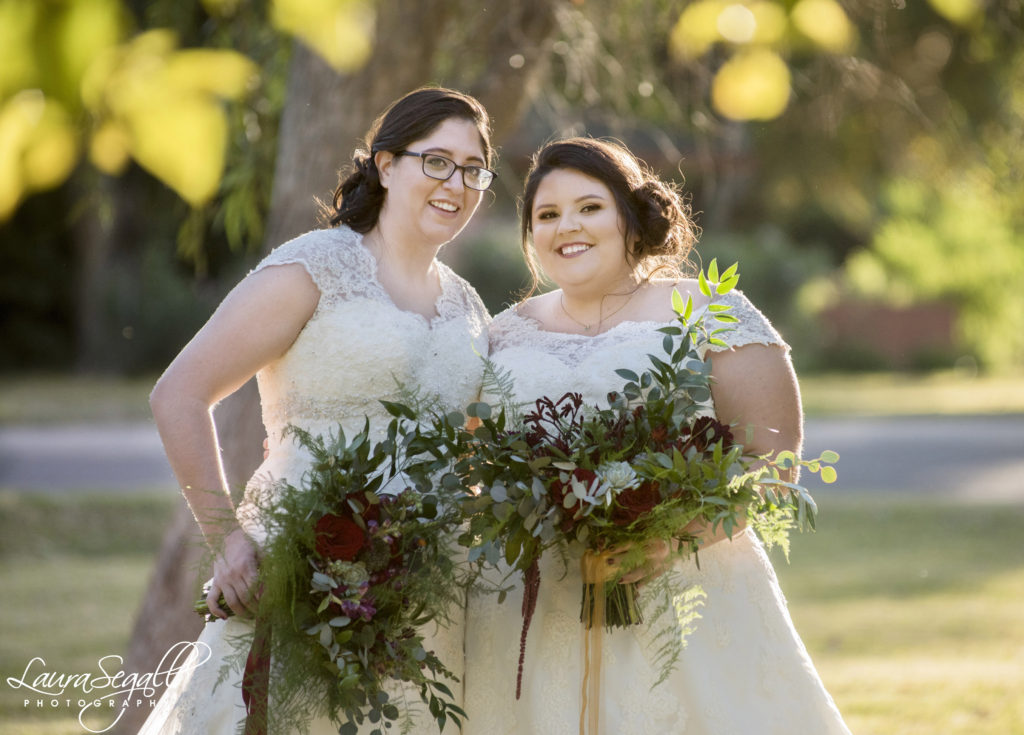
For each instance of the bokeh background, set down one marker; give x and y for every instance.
(862, 160)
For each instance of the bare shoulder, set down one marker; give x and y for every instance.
(286, 290)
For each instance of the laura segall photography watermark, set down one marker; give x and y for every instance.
(109, 690)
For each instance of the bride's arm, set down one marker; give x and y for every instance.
(255, 324)
(755, 390)
(754, 386)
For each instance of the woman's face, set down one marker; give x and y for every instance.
(422, 209)
(578, 234)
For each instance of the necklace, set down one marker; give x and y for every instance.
(601, 317)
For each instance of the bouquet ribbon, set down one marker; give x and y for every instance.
(596, 571)
(256, 680)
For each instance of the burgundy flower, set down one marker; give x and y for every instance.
(339, 538)
(631, 504)
(659, 434)
(706, 431)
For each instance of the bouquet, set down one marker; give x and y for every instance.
(358, 560)
(647, 468)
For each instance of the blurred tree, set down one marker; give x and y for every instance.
(865, 83)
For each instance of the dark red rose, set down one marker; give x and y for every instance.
(560, 490)
(339, 538)
(706, 431)
(633, 503)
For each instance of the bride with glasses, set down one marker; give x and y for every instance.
(330, 323)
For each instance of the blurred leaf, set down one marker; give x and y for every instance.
(38, 147)
(81, 31)
(218, 72)
(164, 107)
(963, 12)
(18, 21)
(110, 147)
(341, 31)
(182, 143)
(696, 30)
(753, 85)
(825, 23)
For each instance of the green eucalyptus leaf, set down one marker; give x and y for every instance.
(678, 306)
(727, 285)
(713, 271)
(702, 284)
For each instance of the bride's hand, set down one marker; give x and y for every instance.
(234, 576)
(658, 553)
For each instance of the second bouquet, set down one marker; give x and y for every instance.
(650, 468)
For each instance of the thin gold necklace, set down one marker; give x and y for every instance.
(601, 317)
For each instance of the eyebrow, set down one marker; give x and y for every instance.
(575, 201)
(446, 152)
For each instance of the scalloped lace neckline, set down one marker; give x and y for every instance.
(443, 298)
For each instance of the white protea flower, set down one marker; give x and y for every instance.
(618, 476)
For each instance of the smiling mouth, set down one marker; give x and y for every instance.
(444, 206)
(574, 248)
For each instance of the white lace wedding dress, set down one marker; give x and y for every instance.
(357, 348)
(744, 671)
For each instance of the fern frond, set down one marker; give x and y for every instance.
(500, 383)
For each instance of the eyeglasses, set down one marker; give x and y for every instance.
(441, 168)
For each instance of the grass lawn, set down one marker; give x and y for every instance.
(885, 394)
(72, 570)
(62, 398)
(911, 613)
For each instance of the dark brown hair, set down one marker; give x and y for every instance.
(358, 199)
(656, 215)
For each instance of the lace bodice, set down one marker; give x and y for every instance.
(358, 347)
(553, 363)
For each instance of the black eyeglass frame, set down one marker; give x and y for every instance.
(455, 167)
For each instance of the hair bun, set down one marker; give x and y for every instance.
(659, 209)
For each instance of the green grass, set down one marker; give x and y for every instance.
(911, 611)
(887, 394)
(72, 399)
(51, 399)
(72, 571)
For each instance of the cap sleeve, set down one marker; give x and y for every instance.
(341, 268)
(753, 327)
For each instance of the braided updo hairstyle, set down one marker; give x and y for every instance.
(358, 199)
(659, 231)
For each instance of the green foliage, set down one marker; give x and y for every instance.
(958, 239)
(357, 561)
(608, 481)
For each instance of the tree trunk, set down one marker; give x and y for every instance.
(325, 114)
